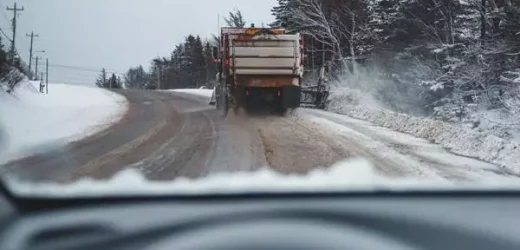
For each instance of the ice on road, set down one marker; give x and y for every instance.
(29, 119)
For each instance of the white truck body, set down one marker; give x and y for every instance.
(259, 68)
(265, 54)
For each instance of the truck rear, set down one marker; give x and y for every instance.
(259, 68)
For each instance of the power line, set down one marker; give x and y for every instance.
(4, 14)
(82, 68)
(6, 36)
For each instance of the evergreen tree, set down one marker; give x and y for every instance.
(283, 15)
(199, 63)
(235, 19)
(112, 82)
(210, 64)
(101, 81)
(3, 54)
(119, 82)
(136, 78)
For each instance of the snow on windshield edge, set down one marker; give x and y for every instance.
(351, 175)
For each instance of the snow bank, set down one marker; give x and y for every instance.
(69, 112)
(455, 137)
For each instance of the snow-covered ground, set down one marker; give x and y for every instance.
(458, 138)
(398, 152)
(29, 119)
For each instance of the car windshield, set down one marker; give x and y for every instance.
(120, 97)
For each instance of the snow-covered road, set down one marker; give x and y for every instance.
(329, 137)
(171, 134)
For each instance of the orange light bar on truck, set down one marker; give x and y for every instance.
(256, 31)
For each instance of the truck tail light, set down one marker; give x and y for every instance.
(227, 61)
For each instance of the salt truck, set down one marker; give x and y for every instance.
(258, 68)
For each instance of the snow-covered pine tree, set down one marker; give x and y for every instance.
(102, 79)
(235, 19)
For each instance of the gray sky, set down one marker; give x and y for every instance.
(117, 34)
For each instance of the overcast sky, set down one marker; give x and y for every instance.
(117, 34)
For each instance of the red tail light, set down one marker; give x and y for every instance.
(227, 61)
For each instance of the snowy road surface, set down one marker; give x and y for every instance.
(177, 134)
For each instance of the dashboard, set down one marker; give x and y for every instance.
(283, 221)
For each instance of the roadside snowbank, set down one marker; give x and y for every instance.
(29, 119)
(455, 137)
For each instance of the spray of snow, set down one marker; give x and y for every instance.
(29, 119)
(396, 102)
(369, 86)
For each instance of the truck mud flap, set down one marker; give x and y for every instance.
(239, 94)
(291, 96)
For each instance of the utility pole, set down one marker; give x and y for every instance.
(36, 69)
(32, 35)
(13, 44)
(47, 76)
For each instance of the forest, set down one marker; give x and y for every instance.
(424, 56)
(427, 57)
